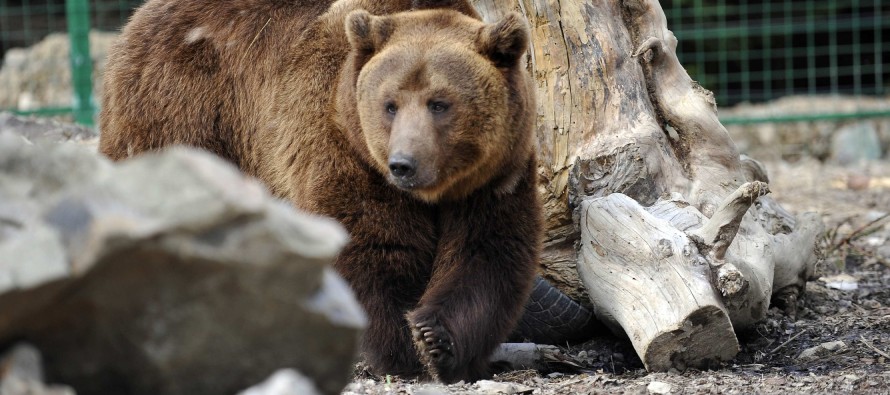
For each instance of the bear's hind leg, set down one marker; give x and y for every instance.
(386, 344)
(387, 281)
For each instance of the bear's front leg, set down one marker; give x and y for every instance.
(388, 263)
(485, 264)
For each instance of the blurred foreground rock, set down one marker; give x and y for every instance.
(21, 373)
(167, 274)
(283, 382)
(43, 129)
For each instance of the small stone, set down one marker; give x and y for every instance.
(822, 309)
(884, 251)
(821, 350)
(875, 241)
(431, 389)
(22, 361)
(834, 346)
(843, 282)
(283, 382)
(658, 387)
(871, 304)
(21, 373)
(494, 388)
(858, 181)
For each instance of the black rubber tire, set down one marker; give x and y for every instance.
(551, 317)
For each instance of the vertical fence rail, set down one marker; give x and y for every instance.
(77, 13)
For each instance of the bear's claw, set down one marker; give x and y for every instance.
(434, 346)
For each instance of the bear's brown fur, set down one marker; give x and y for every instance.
(412, 128)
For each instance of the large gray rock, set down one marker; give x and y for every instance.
(170, 273)
(40, 76)
(856, 143)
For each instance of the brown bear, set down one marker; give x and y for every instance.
(410, 122)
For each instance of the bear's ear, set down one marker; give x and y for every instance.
(367, 33)
(506, 41)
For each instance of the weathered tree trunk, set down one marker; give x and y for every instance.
(647, 198)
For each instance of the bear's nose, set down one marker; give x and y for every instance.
(402, 166)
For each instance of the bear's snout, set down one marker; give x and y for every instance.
(402, 166)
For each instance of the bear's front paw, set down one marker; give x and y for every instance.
(434, 345)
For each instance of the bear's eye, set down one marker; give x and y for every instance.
(391, 108)
(438, 107)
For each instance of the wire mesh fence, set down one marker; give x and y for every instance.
(743, 51)
(61, 74)
(755, 51)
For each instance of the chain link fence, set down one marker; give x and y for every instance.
(743, 51)
(55, 75)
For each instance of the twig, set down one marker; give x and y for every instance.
(788, 341)
(858, 232)
(862, 339)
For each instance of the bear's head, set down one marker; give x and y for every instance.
(438, 102)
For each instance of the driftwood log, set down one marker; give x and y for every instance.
(652, 215)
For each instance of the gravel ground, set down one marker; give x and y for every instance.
(838, 342)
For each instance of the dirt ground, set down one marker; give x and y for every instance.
(846, 330)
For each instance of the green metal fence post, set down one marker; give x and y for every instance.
(81, 65)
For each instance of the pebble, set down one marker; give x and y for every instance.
(494, 388)
(658, 387)
(884, 251)
(822, 309)
(843, 282)
(833, 346)
(852, 378)
(284, 382)
(820, 350)
(858, 181)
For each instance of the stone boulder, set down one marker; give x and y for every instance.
(170, 273)
(40, 76)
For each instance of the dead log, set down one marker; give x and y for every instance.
(650, 210)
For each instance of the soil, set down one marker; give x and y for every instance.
(846, 329)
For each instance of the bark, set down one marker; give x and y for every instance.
(652, 215)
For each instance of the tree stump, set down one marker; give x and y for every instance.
(651, 213)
